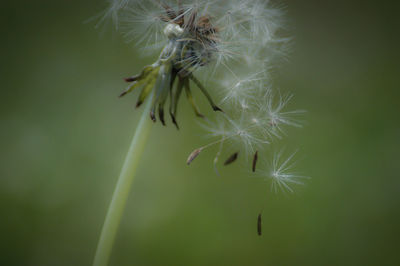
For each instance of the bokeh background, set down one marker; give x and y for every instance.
(64, 134)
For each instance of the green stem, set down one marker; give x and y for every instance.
(122, 189)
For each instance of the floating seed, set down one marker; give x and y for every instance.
(193, 155)
(255, 158)
(231, 159)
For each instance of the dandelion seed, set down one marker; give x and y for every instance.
(193, 156)
(259, 225)
(231, 159)
(255, 158)
(243, 130)
(242, 88)
(277, 117)
(281, 173)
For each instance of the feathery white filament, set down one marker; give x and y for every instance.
(281, 173)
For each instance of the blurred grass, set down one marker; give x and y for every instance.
(64, 135)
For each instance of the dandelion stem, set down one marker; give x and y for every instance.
(122, 189)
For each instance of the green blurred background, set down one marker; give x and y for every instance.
(64, 134)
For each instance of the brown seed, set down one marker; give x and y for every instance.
(255, 158)
(193, 156)
(231, 159)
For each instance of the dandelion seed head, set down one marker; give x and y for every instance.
(235, 45)
(245, 28)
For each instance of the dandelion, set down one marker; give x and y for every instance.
(226, 49)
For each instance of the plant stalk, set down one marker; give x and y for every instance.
(123, 187)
